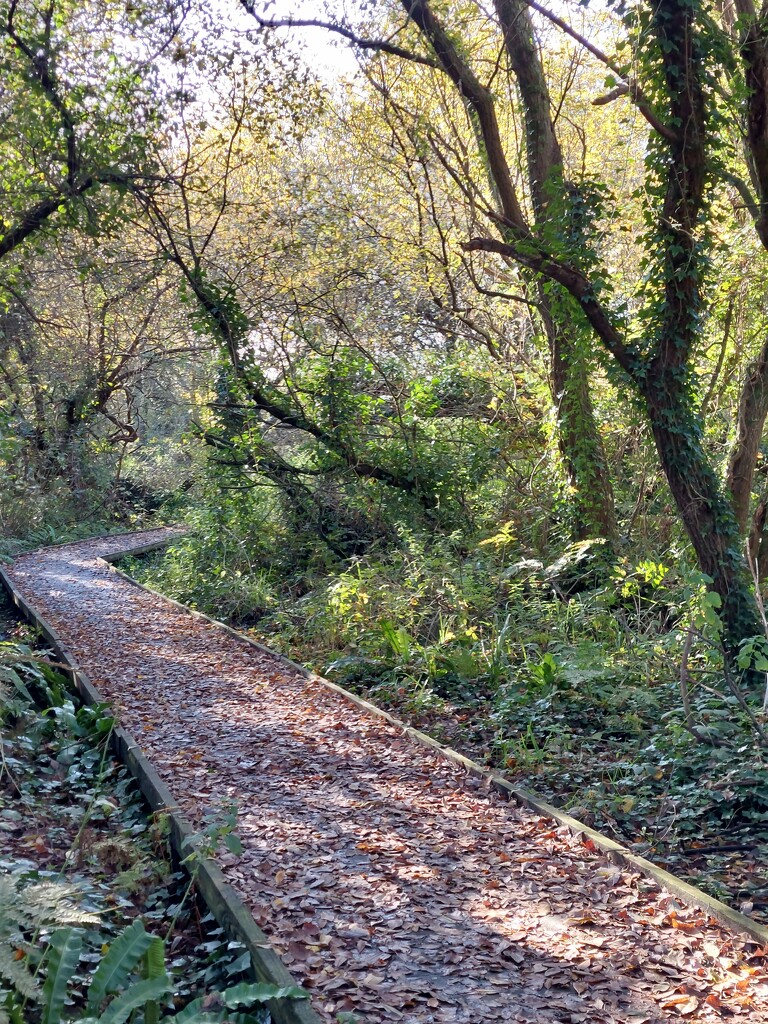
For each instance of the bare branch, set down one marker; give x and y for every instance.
(633, 90)
(574, 282)
(380, 45)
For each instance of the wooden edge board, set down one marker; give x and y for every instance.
(178, 530)
(727, 916)
(220, 898)
(142, 549)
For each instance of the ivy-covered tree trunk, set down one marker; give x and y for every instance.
(704, 508)
(579, 441)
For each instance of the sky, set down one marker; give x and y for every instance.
(329, 56)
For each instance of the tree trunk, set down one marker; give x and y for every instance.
(753, 410)
(581, 446)
(704, 508)
(579, 441)
(758, 540)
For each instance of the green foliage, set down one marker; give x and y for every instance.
(63, 956)
(753, 654)
(242, 995)
(219, 831)
(120, 961)
(223, 564)
(50, 978)
(131, 982)
(24, 909)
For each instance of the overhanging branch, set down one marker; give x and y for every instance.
(630, 86)
(574, 282)
(379, 45)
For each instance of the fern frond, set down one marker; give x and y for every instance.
(24, 908)
(115, 969)
(142, 992)
(17, 974)
(154, 967)
(54, 903)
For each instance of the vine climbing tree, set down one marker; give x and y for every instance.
(688, 69)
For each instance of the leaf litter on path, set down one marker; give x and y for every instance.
(393, 885)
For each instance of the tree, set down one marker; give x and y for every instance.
(85, 343)
(316, 319)
(85, 90)
(685, 72)
(578, 435)
(79, 110)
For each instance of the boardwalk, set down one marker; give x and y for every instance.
(392, 884)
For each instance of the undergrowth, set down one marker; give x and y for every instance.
(82, 867)
(564, 673)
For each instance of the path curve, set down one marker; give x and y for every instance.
(392, 883)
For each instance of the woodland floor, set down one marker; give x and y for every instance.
(393, 885)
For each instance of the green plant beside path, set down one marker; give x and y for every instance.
(66, 953)
(564, 675)
(131, 982)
